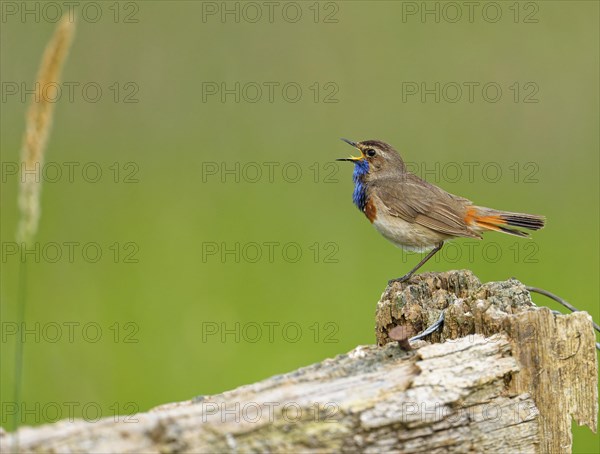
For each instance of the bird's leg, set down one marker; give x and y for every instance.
(408, 275)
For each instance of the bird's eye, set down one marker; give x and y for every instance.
(370, 152)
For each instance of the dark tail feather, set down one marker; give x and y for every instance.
(490, 219)
(527, 221)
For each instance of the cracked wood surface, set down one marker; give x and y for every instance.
(512, 387)
(449, 397)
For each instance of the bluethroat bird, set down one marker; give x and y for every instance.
(416, 215)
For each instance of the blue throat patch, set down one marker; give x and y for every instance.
(359, 197)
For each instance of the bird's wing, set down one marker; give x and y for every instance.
(415, 200)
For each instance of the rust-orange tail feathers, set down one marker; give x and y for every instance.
(483, 218)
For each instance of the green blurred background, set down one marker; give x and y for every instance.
(358, 54)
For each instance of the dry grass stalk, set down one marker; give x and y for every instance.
(38, 123)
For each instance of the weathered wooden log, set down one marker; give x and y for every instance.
(556, 354)
(510, 388)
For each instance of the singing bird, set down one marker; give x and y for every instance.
(416, 215)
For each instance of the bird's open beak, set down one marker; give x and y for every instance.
(351, 158)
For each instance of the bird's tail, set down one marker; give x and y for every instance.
(483, 218)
